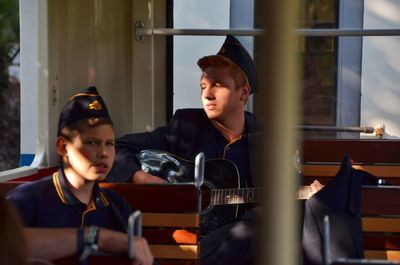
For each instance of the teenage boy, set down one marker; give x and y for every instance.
(221, 129)
(71, 197)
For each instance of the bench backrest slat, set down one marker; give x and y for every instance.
(171, 219)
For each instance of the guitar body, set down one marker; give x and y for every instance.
(219, 174)
(221, 193)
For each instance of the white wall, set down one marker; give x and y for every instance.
(380, 83)
(29, 76)
(69, 45)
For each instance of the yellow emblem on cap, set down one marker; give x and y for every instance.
(95, 105)
(222, 50)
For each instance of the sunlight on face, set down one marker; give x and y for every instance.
(90, 155)
(219, 94)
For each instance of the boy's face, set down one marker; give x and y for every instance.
(89, 156)
(219, 94)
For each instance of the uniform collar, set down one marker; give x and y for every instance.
(67, 197)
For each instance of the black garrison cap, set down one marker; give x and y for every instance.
(233, 50)
(86, 104)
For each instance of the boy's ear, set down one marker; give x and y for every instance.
(61, 145)
(245, 92)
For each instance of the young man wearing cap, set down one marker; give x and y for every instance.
(71, 197)
(222, 129)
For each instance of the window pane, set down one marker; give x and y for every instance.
(319, 66)
(194, 14)
(348, 81)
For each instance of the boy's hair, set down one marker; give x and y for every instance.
(69, 131)
(221, 62)
(236, 54)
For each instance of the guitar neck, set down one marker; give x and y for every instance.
(303, 193)
(249, 195)
(235, 196)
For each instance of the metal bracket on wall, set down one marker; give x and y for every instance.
(139, 30)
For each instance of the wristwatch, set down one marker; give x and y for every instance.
(91, 239)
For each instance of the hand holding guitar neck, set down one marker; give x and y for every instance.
(315, 187)
(142, 177)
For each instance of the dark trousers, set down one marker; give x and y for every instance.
(231, 244)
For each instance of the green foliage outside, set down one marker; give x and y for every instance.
(9, 38)
(9, 85)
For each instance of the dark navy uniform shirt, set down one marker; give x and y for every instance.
(48, 202)
(188, 133)
(237, 152)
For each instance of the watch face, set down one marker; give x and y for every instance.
(92, 236)
(91, 239)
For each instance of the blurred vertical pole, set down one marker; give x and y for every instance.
(279, 96)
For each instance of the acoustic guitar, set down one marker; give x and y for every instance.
(221, 193)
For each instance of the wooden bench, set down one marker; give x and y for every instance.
(321, 158)
(170, 221)
(380, 209)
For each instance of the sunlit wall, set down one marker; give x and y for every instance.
(380, 94)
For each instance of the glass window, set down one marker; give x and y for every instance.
(187, 50)
(319, 58)
(194, 14)
(348, 82)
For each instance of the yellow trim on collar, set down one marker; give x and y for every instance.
(58, 187)
(90, 207)
(231, 142)
(103, 198)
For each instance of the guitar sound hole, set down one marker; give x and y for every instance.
(205, 197)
